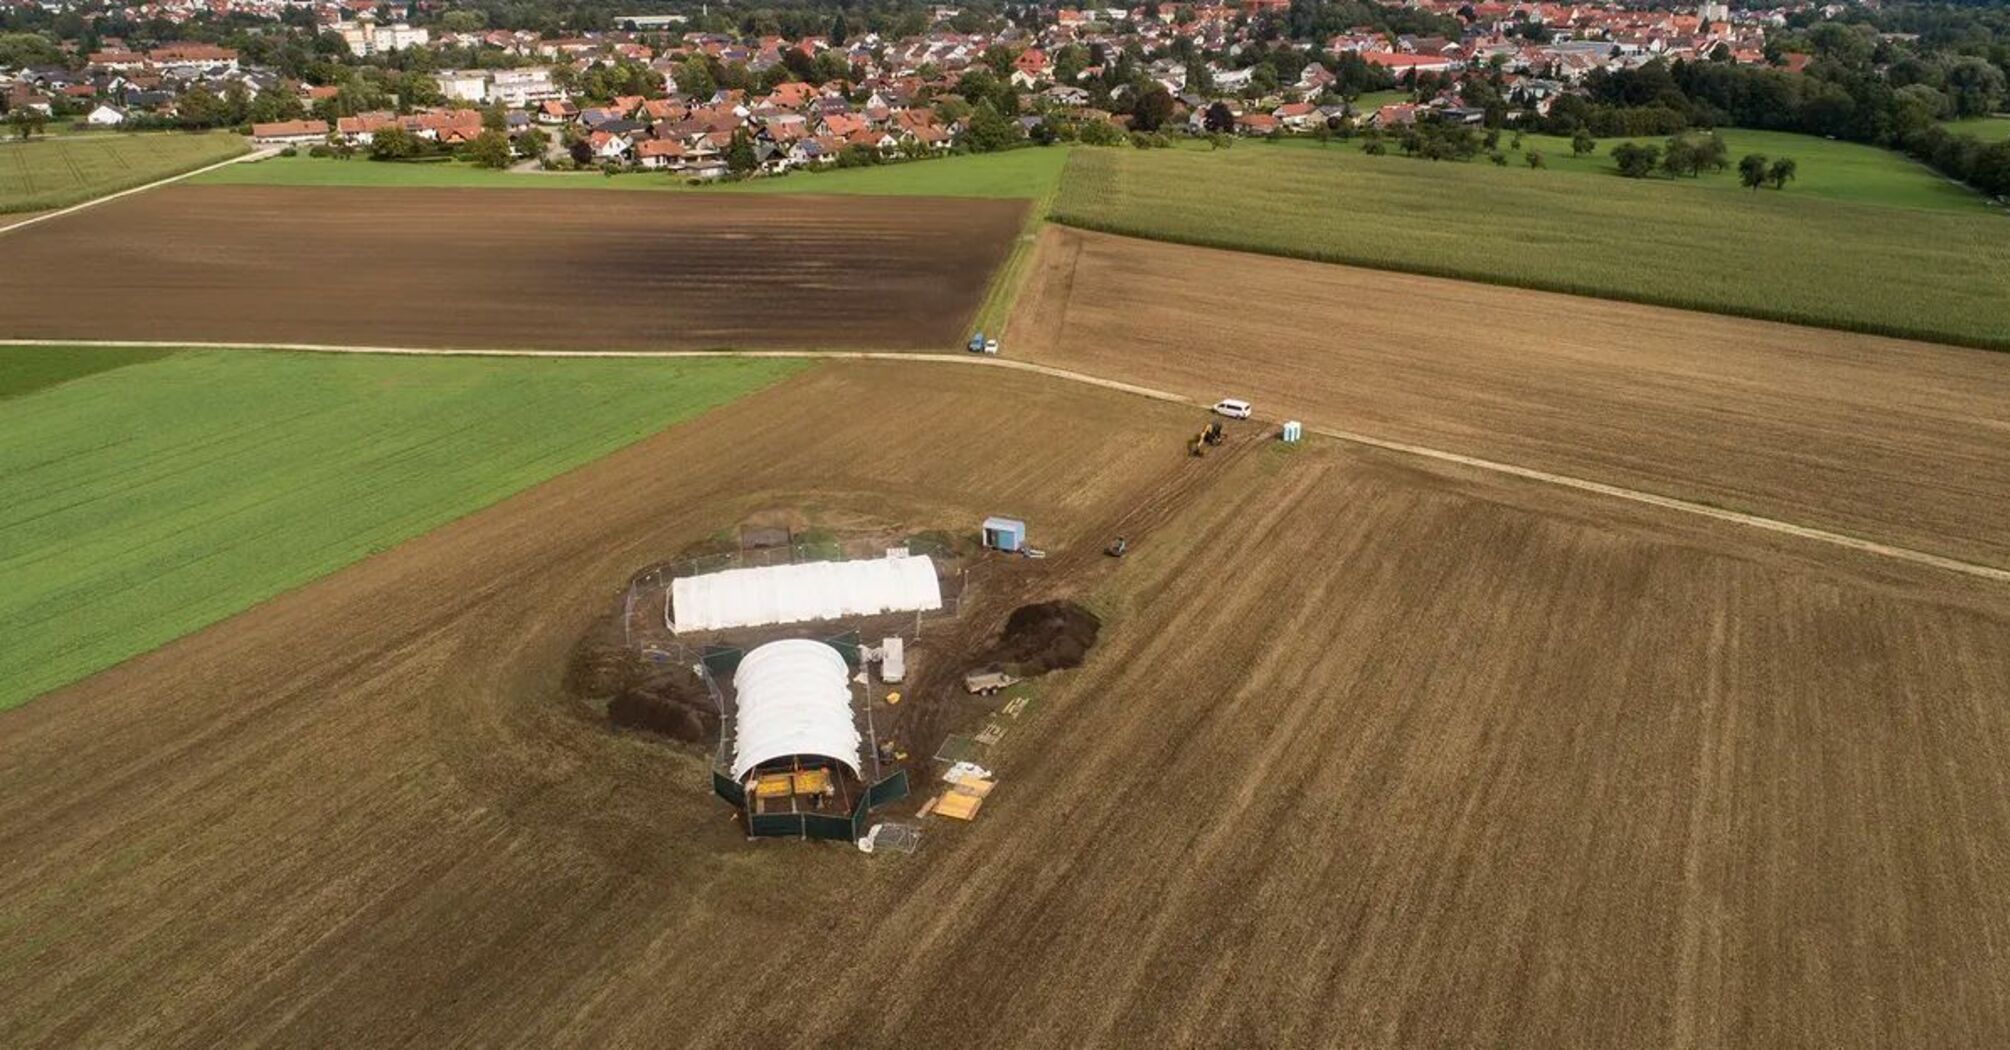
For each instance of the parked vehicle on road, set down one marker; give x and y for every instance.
(1233, 408)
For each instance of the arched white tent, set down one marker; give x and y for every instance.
(794, 698)
(817, 590)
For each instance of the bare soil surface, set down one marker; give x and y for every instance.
(509, 268)
(1368, 752)
(1877, 438)
(1045, 636)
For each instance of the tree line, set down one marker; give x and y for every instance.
(1858, 87)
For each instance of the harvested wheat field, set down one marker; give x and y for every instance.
(1367, 754)
(507, 268)
(1880, 438)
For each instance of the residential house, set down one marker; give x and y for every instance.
(1257, 124)
(609, 147)
(1298, 116)
(465, 85)
(523, 88)
(661, 153)
(290, 132)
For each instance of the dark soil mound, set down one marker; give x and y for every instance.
(673, 703)
(1047, 636)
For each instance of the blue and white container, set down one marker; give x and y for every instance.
(1004, 534)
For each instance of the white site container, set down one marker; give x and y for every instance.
(892, 660)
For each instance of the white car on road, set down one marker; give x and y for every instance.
(1233, 408)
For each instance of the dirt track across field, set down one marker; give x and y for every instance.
(1372, 751)
(529, 268)
(1880, 438)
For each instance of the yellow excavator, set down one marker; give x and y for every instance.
(1209, 435)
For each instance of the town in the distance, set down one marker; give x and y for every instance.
(710, 96)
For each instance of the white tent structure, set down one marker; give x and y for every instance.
(794, 698)
(818, 590)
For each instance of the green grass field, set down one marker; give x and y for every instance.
(140, 503)
(1927, 273)
(1988, 129)
(44, 173)
(1371, 101)
(22, 374)
(1831, 170)
(1031, 172)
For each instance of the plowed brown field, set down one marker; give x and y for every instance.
(508, 268)
(1370, 754)
(1879, 438)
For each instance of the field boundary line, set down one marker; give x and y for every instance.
(95, 201)
(1652, 499)
(1676, 503)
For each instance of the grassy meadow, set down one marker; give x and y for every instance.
(1830, 170)
(1925, 272)
(1030, 173)
(56, 172)
(1988, 129)
(143, 497)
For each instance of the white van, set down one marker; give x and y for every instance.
(1233, 408)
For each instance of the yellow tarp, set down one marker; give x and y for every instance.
(775, 785)
(812, 781)
(960, 804)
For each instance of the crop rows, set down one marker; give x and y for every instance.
(1903, 272)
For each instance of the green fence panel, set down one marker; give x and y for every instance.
(776, 825)
(825, 826)
(721, 660)
(888, 790)
(729, 789)
(847, 646)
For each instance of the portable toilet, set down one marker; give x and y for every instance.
(1293, 430)
(1004, 534)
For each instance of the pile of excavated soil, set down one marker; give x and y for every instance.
(640, 695)
(673, 703)
(1045, 636)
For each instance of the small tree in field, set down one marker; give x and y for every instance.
(1782, 172)
(1535, 158)
(740, 159)
(1582, 143)
(27, 122)
(393, 142)
(1635, 160)
(1752, 171)
(491, 149)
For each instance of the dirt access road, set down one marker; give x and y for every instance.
(1879, 438)
(529, 268)
(1372, 753)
